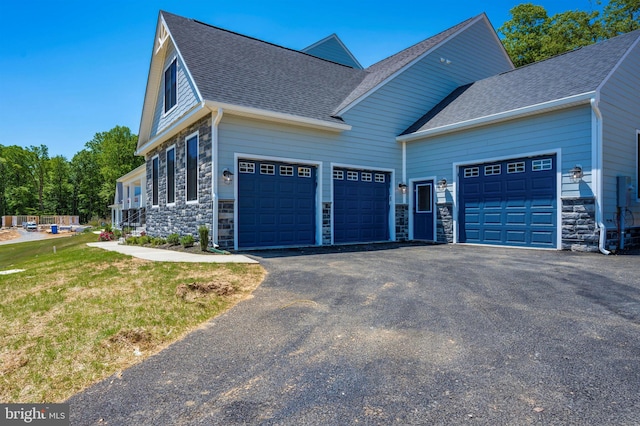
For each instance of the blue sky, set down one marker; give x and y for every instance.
(70, 69)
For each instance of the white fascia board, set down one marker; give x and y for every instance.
(134, 174)
(196, 112)
(277, 116)
(406, 67)
(583, 98)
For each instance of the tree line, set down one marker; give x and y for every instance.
(532, 35)
(32, 183)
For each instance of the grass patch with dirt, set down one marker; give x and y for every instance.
(81, 314)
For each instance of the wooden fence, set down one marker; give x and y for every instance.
(15, 221)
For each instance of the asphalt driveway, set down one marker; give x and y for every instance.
(405, 335)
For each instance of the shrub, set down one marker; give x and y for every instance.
(158, 241)
(144, 239)
(106, 236)
(203, 232)
(132, 241)
(187, 241)
(117, 233)
(108, 228)
(173, 239)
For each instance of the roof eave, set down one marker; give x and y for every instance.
(570, 101)
(278, 117)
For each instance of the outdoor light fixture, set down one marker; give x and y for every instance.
(576, 173)
(442, 184)
(227, 176)
(402, 187)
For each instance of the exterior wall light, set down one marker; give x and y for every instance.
(227, 176)
(402, 187)
(442, 184)
(576, 173)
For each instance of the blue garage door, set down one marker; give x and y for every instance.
(276, 204)
(509, 203)
(360, 206)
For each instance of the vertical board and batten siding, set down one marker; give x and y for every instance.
(261, 138)
(187, 94)
(620, 107)
(332, 50)
(567, 130)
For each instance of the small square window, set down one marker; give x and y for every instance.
(543, 164)
(304, 172)
(470, 172)
(380, 178)
(494, 169)
(367, 177)
(351, 175)
(246, 167)
(286, 170)
(338, 174)
(267, 169)
(517, 167)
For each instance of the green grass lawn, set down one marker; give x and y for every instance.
(81, 314)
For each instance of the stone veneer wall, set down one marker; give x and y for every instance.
(444, 223)
(181, 217)
(402, 222)
(225, 224)
(579, 230)
(326, 223)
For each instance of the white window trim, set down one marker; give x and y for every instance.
(155, 157)
(164, 99)
(186, 171)
(431, 203)
(166, 171)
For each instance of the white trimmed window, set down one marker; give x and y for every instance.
(286, 170)
(516, 167)
(267, 169)
(246, 167)
(191, 147)
(304, 172)
(171, 86)
(470, 172)
(380, 178)
(171, 175)
(542, 164)
(494, 169)
(155, 179)
(366, 177)
(338, 174)
(351, 175)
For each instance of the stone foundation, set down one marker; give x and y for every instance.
(326, 224)
(402, 222)
(579, 230)
(444, 223)
(225, 224)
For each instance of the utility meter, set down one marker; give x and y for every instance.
(625, 188)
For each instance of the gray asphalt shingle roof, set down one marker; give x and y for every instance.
(572, 73)
(232, 68)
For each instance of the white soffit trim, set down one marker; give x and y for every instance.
(277, 116)
(583, 98)
(407, 66)
(196, 112)
(134, 174)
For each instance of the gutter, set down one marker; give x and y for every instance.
(215, 121)
(579, 99)
(597, 171)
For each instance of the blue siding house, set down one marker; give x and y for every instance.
(444, 141)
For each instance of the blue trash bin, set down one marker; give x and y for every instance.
(54, 229)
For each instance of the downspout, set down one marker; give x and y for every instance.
(216, 116)
(597, 172)
(404, 171)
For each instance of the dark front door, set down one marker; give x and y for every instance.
(423, 217)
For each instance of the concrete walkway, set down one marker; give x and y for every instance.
(161, 255)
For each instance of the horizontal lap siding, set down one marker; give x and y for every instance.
(187, 95)
(568, 130)
(620, 106)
